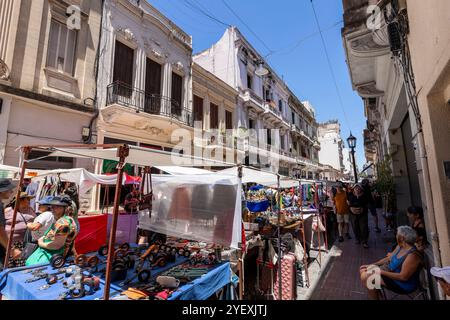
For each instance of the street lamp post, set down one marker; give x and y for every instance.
(352, 145)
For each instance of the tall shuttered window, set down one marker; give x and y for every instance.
(123, 64)
(198, 109)
(177, 93)
(152, 87)
(214, 116)
(61, 47)
(228, 120)
(153, 77)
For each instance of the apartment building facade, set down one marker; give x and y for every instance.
(282, 126)
(48, 56)
(215, 117)
(332, 145)
(145, 77)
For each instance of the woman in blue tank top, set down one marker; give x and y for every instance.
(400, 269)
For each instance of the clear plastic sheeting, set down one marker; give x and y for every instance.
(204, 207)
(174, 170)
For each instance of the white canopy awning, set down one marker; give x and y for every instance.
(140, 156)
(251, 175)
(287, 183)
(83, 178)
(265, 178)
(174, 170)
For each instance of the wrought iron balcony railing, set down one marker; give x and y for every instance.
(140, 101)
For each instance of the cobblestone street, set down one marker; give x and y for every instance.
(340, 276)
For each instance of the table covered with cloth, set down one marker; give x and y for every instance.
(14, 287)
(205, 286)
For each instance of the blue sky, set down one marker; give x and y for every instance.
(288, 28)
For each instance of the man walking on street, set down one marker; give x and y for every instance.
(371, 203)
(342, 211)
(359, 215)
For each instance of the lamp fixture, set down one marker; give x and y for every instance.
(351, 141)
(262, 70)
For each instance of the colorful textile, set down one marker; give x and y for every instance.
(259, 206)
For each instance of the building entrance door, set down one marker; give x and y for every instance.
(413, 175)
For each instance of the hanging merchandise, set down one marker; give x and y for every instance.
(257, 200)
(317, 225)
(146, 195)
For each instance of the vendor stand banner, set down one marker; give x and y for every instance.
(196, 207)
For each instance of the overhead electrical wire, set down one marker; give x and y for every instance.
(330, 65)
(248, 27)
(190, 20)
(205, 13)
(295, 45)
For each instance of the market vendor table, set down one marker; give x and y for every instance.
(219, 277)
(14, 287)
(204, 287)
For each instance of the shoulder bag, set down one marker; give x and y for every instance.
(146, 196)
(29, 246)
(356, 210)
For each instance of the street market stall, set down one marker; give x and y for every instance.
(224, 232)
(277, 212)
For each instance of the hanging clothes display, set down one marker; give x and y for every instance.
(32, 190)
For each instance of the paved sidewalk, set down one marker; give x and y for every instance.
(340, 278)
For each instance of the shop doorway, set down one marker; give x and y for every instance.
(413, 176)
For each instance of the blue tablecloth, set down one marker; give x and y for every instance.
(204, 287)
(13, 286)
(259, 206)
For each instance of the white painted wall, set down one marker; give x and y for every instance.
(4, 119)
(330, 151)
(32, 124)
(347, 161)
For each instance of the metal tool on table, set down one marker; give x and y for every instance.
(186, 274)
(34, 270)
(39, 274)
(79, 285)
(143, 273)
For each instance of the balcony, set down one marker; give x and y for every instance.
(252, 100)
(275, 116)
(295, 129)
(271, 108)
(150, 104)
